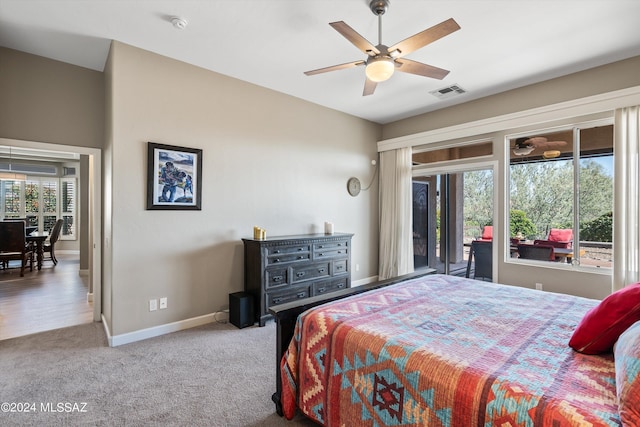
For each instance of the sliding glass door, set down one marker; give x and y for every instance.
(450, 211)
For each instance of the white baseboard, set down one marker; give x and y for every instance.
(364, 281)
(156, 331)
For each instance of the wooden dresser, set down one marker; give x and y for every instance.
(286, 268)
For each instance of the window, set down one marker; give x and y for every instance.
(68, 208)
(561, 195)
(42, 201)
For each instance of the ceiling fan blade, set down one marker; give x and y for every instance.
(369, 87)
(358, 41)
(420, 69)
(334, 68)
(425, 37)
(542, 142)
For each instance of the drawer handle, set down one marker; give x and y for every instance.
(321, 290)
(277, 251)
(320, 246)
(320, 254)
(300, 257)
(300, 274)
(277, 300)
(341, 285)
(339, 267)
(300, 249)
(276, 260)
(321, 270)
(301, 294)
(277, 278)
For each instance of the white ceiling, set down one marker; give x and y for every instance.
(502, 44)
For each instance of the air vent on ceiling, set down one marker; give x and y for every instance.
(448, 92)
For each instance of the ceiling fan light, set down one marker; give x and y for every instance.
(379, 69)
(523, 151)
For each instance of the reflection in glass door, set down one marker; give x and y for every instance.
(449, 212)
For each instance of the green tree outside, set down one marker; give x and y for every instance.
(543, 191)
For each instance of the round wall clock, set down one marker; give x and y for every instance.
(353, 186)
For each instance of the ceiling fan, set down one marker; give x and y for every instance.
(383, 60)
(524, 146)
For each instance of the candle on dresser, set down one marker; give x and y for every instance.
(328, 228)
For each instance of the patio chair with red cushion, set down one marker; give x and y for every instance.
(558, 238)
(487, 233)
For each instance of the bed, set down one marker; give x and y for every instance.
(442, 351)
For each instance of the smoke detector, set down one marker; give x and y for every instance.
(179, 23)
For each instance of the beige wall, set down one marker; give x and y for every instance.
(269, 160)
(50, 101)
(55, 103)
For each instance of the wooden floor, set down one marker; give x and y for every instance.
(52, 298)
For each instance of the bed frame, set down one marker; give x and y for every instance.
(286, 315)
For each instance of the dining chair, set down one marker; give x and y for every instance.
(483, 260)
(539, 252)
(50, 243)
(13, 245)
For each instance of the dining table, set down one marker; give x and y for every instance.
(38, 239)
(567, 253)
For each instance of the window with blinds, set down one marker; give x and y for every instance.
(42, 201)
(68, 207)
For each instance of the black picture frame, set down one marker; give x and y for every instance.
(174, 177)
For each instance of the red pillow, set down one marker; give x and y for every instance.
(560, 234)
(602, 325)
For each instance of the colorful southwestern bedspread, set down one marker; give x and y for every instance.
(447, 351)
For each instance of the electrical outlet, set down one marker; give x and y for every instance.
(163, 303)
(357, 267)
(539, 286)
(153, 304)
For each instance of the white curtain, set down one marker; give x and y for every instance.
(396, 214)
(626, 210)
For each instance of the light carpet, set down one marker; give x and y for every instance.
(212, 375)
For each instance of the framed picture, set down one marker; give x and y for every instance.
(174, 177)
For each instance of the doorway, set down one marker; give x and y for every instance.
(91, 276)
(450, 211)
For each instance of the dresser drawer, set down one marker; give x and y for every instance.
(280, 250)
(330, 253)
(340, 267)
(321, 288)
(327, 246)
(275, 298)
(276, 277)
(288, 257)
(309, 271)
